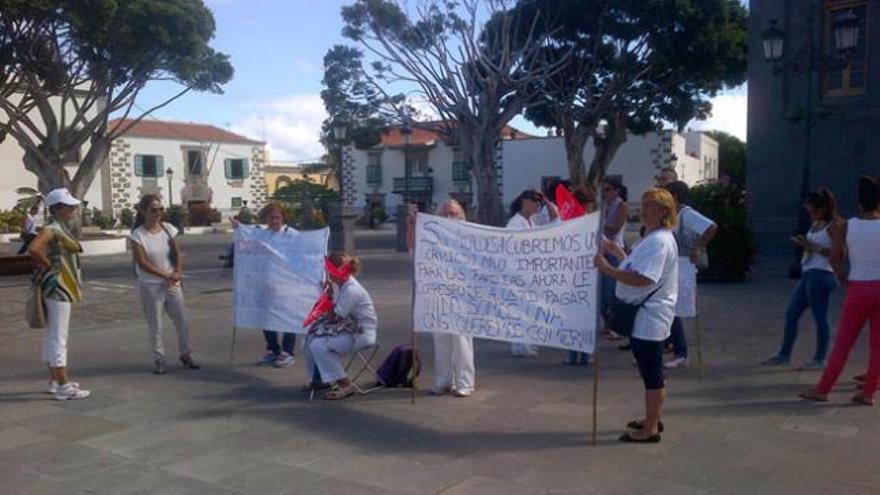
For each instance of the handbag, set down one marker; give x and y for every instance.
(35, 310)
(623, 314)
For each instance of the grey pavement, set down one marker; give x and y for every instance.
(240, 428)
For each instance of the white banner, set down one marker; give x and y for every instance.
(686, 306)
(278, 277)
(535, 286)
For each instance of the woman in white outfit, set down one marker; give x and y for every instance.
(56, 254)
(523, 216)
(350, 326)
(158, 264)
(453, 354)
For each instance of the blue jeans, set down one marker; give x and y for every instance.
(287, 342)
(678, 339)
(812, 291)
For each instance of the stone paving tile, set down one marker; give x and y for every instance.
(271, 479)
(480, 485)
(213, 466)
(334, 486)
(59, 460)
(70, 426)
(13, 437)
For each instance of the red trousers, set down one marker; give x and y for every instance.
(862, 303)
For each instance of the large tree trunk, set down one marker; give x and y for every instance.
(480, 147)
(575, 140)
(606, 147)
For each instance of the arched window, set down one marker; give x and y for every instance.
(282, 181)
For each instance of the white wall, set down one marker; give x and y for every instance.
(15, 175)
(173, 156)
(526, 161)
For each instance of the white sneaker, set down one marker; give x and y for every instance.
(284, 360)
(69, 391)
(679, 362)
(461, 392)
(53, 386)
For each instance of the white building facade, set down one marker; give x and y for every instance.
(185, 163)
(378, 175)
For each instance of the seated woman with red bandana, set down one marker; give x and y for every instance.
(350, 325)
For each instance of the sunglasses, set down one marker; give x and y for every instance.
(157, 210)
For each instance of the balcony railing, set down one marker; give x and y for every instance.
(416, 184)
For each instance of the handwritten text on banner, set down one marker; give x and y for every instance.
(278, 277)
(536, 286)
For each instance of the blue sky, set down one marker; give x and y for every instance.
(277, 47)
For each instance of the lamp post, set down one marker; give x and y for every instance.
(340, 133)
(845, 36)
(169, 173)
(406, 131)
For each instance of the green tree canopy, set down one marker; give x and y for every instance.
(68, 65)
(637, 64)
(731, 156)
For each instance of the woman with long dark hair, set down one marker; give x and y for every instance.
(814, 289)
(158, 264)
(856, 242)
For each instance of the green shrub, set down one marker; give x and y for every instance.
(126, 217)
(11, 220)
(175, 215)
(102, 220)
(732, 251)
(202, 215)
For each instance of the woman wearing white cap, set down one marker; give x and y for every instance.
(56, 252)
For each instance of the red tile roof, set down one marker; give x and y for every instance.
(180, 131)
(422, 133)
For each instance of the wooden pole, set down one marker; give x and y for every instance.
(232, 350)
(699, 342)
(600, 234)
(412, 308)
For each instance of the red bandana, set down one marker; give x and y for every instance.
(340, 273)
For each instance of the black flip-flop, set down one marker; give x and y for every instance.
(637, 425)
(626, 438)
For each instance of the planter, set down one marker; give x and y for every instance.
(16, 265)
(103, 246)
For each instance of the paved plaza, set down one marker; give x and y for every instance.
(234, 427)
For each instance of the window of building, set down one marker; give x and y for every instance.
(194, 162)
(236, 168)
(418, 160)
(461, 169)
(374, 169)
(236, 202)
(148, 166)
(850, 80)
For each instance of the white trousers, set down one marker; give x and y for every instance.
(55, 339)
(326, 354)
(159, 298)
(453, 362)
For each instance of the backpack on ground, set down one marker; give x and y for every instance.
(400, 368)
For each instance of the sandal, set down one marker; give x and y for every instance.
(638, 425)
(863, 399)
(813, 394)
(627, 438)
(187, 361)
(337, 392)
(861, 378)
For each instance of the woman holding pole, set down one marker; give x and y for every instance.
(648, 277)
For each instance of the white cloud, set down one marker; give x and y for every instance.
(729, 114)
(307, 67)
(292, 126)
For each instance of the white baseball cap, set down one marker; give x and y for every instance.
(60, 195)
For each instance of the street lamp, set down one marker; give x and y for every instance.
(846, 38)
(169, 173)
(406, 132)
(339, 128)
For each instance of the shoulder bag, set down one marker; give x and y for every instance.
(623, 314)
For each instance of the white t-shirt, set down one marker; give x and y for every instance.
(691, 226)
(654, 257)
(30, 224)
(351, 299)
(519, 222)
(543, 216)
(156, 248)
(815, 260)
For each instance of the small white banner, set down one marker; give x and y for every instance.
(686, 306)
(533, 286)
(278, 277)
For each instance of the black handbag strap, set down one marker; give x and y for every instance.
(641, 304)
